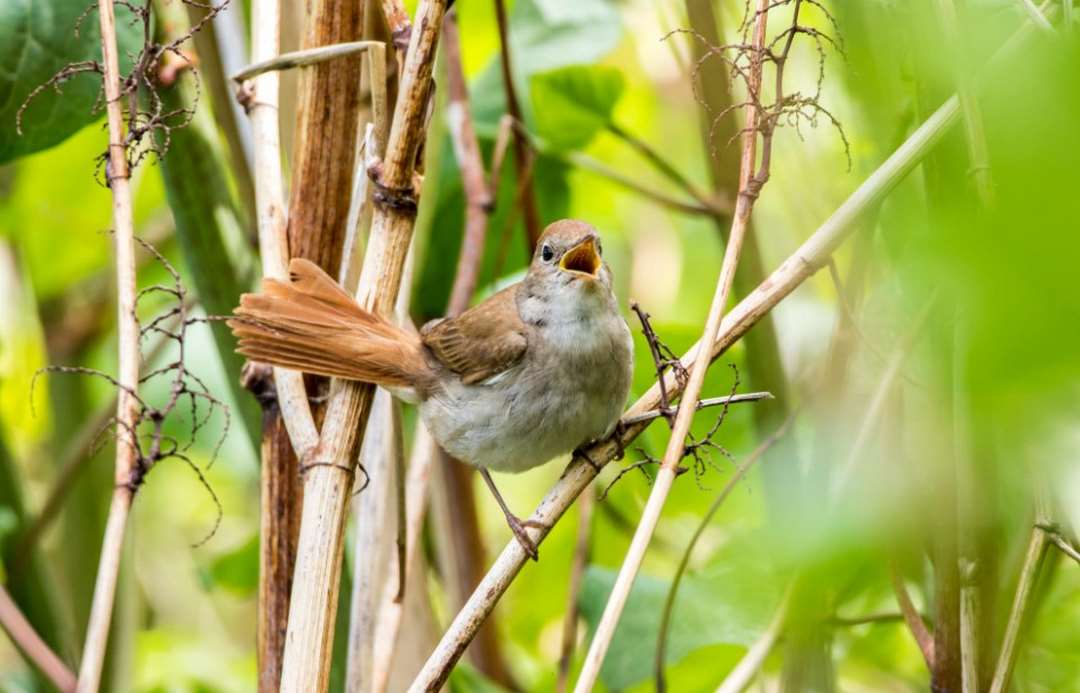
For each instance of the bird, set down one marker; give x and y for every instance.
(533, 372)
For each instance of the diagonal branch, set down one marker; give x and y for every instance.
(811, 256)
(676, 448)
(35, 649)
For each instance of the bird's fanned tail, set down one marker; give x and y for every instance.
(311, 324)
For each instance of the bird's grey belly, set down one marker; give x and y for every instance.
(529, 414)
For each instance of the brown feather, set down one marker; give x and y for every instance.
(481, 342)
(311, 324)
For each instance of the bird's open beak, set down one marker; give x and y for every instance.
(583, 258)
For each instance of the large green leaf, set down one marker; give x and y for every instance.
(38, 38)
(572, 104)
(545, 35)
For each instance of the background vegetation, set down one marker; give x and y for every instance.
(934, 398)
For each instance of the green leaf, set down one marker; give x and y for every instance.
(38, 38)
(236, 571)
(545, 35)
(572, 104)
(730, 602)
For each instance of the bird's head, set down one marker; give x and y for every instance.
(569, 254)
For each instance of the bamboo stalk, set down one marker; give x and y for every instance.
(329, 468)
(97, 630)
(665, 477)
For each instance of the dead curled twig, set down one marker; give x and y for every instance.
(793, 109)
(148, 123)
(146, 435)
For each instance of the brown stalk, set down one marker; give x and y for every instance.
(329, 469)
(749, 187)
(287, 413)
(923, 637)
(522, 161)
(127, 405)
(31, 645)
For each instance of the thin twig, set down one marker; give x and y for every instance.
(669, 602)
(923, 637)
(702, 404)
(391, 609)
(513, 108)
(35, 649)
(581, 160)
(978, 151)
(869, 619)
(127, 406)
(261, 101)
(1065, 546)
(478, 199)
(665, 167)
(811, 256)
(676, 447)
(74, 459)
(1025, 586)
(877, 402)
(302, 58)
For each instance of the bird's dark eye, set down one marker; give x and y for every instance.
(546, 253)
(599, 248)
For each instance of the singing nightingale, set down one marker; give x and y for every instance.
(531, 373)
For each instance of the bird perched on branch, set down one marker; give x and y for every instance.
(531, 373)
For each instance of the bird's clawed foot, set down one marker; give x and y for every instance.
(580, 453)
(617, 435)
(517, 526)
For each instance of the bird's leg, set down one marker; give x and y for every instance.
(517, 526)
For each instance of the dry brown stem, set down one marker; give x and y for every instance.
(328, 470)
(31, 645)
(522, 159)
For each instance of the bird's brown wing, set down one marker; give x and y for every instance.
(481, 342)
